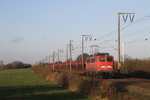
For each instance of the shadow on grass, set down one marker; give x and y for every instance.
(140, 74)
(40, 92)
(122, 86)
(137, 74)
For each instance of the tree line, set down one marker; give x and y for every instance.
(15, 65)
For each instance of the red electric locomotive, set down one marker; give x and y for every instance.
(101, 64)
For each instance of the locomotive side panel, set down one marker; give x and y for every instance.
(91, 64)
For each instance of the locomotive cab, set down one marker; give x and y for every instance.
(101, 63)
(105, 63)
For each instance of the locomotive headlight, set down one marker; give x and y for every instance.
(106, 66)
(103, 66)
(109, 66)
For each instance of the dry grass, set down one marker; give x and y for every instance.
(132, 65)
(98, 89)
(139, 68)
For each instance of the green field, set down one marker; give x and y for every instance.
(25, 85)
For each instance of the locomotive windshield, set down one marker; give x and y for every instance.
(109, 59)
(102, 59)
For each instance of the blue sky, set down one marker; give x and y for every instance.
(33, 29)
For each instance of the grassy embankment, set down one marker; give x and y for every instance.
(100, 89)
(25, 85)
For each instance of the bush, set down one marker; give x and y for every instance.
(2, 67)
(133, 65)
(17, 65)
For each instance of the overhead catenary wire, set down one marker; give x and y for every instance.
(124, 26)
(138, 32)
(107, 38)
(138, 40)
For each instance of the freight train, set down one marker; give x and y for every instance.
(100, 64)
